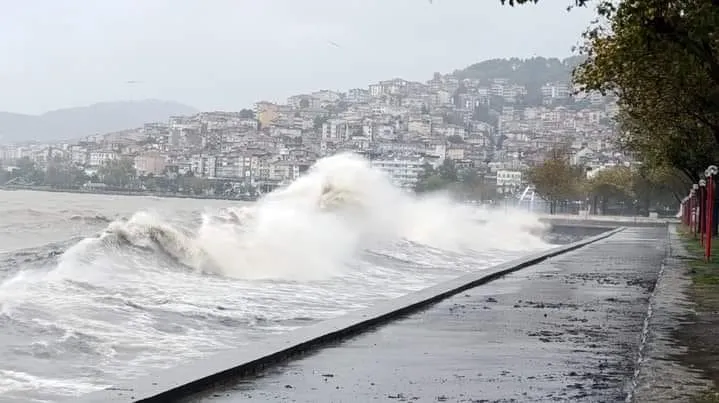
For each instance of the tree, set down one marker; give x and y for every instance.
(448, 171)
(472, 185)
(431, 179)
(247, 114)
(27, 171)
(531, 73)
(304, 103)
(659, 58)
(613, 184)
(482, 113)
(658, 189)
(119, 172)
(58, 173)
(319, 121)
(555, 179)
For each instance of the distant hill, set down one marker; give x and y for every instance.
(73, 123)
(532, 73)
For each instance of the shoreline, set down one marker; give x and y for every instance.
(126, 193)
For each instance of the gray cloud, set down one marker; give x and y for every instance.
(225, 54)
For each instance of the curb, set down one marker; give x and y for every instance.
(179, 382)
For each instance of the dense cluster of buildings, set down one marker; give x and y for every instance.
(399, 125)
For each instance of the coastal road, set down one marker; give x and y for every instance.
(567, 329)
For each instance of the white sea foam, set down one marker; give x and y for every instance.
(156, 288)
(318, 224)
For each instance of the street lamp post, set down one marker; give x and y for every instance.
(702, 209)
(695, 209)
(710, 172)
(690, 209)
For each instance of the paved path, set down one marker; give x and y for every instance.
(568, 329)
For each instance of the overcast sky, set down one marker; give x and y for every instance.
(226, 54)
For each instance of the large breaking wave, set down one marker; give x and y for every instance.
(159, 287)
(315, 226)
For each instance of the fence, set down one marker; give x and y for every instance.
(699, 210)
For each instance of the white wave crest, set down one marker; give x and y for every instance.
(314, 227)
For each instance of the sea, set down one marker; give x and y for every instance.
(98, 289)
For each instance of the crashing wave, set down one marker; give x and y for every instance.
(317, 224)
(147, 231)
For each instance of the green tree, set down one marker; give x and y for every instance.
(660, 59)
(448, 171)
(532, 73)
(431, 179)
(62, 173)
(483, 113)
(247, 114)
(319, 121)
(658, 189)
(668, 97)
(555, 180)
(472, 185)
(609, 185)
(26, 170)
(3, 173)
(304, 103)
(118, 173)
(58, 173)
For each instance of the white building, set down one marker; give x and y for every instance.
(403, 173)
(556, 91)
(98, 158)
(151, 162)
(335, 130)
(509, 179)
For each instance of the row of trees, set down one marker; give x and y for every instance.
(462, 183)
(62, 174)
(616, 190)
(118, 175)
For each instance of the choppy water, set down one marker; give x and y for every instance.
(95, 289)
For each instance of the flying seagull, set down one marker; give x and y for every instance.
(334, 44)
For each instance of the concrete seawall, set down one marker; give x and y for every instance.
(567, 220)
(179, 382)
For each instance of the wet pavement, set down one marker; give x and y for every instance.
(567, 329)
(662, 375)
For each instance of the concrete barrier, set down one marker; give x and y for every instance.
(180, 382)
(604, 221)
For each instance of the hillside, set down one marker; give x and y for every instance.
(73, 123)
(532, 73)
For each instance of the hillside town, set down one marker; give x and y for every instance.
(495, 128)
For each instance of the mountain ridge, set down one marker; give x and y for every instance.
(98, 118)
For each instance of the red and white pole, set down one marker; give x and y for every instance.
(702, 209)
(710, 172)
(695, 209)
(691, 211)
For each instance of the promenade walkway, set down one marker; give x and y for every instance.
(566, 329)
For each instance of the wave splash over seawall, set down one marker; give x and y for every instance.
(156, 288)
(315, 226)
